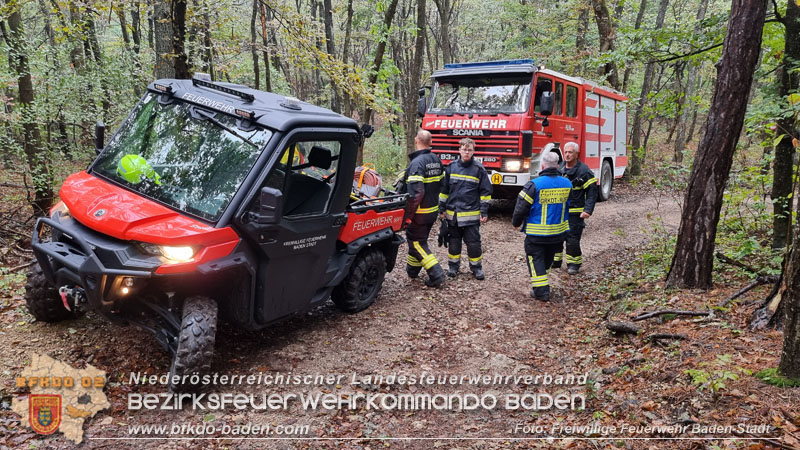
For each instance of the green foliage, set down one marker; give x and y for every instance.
(775, 378)
(11, 284)
(714, 375)
(387, 153)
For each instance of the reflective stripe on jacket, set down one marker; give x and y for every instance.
(584, 187)
(423, 179)
(543, 205)
(466, 192)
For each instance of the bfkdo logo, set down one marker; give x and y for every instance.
(44, 412)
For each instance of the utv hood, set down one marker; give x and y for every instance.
(117, 212)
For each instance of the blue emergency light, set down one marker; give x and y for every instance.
(507, 62)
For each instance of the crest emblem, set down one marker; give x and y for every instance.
(99, 212)
(44, 412)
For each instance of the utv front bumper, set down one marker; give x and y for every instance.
(109, 270)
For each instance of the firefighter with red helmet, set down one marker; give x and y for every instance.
(422, 180)
(464, 204)
(581, 205)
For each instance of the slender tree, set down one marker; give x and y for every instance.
(693, 260)
(606, 30)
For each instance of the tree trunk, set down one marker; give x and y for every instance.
(790, 355)
(444, 7)
(34, 150)
(208, 45)
(136, 31)
(638, 156)
(693, 261)
(162, 39)
(265, 52)
(688, 104)
(636, 26)
(606, 30)
(123, 26)
(330, 48)
(179, 39)
(366, 117)
(789, 80)
(414, 79)
(253, 49)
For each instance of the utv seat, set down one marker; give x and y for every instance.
(307, 195)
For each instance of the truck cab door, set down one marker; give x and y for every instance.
(313, 174)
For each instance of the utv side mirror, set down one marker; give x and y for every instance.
(546, 103)
(99, 137)
(270, 206)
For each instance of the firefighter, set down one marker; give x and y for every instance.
(422, 180)
(581, 205)
(542, 206)
(464, 203)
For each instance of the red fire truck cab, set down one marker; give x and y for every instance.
(499, 104)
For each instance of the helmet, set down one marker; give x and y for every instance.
(134, 169)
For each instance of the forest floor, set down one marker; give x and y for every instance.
(468, 327)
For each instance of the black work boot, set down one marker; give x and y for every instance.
(413, 271)
(573, 269)
(452, 269)
(541, 294)
(477, 270)
(435, 276)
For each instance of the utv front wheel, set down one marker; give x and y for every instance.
(195, 344)
(43, 300)
(360, 287)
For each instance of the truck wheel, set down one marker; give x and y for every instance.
(43, 300)
(360, 287)
(195, 348)
(606, 182)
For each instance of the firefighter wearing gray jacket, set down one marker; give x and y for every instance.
(581, 205)
(464, 203)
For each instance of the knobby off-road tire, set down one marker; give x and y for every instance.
(361, 286)
(195, 348)
(43, 300)
(606, 182)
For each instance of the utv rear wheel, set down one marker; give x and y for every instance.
(43, 300)
(195, 345)
(361, 286)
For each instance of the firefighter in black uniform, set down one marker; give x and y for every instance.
(464, 203)
(422, 180)
(581, 205)
(542, 206)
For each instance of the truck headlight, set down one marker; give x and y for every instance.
(512, 165)
(181, 254)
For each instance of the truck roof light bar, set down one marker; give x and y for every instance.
(507, 62)
(245, 113)
(243, 95)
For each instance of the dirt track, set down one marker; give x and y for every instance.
(468, 327)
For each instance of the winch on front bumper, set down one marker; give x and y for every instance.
(109, 270)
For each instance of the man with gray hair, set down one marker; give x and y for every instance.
(543, 207)
(581, 205)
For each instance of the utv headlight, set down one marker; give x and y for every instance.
(180, 254)
(60, 208)
(512, 165)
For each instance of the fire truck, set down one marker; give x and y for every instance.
(515, 111)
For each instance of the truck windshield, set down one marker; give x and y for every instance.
(481, 95)
(190, 158)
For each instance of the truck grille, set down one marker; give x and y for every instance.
(497, 142)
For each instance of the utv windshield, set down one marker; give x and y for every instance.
(481, 95)
(184, 156)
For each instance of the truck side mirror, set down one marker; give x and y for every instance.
(546, 103)
(270, 208)
(422, 103)
(99, 137)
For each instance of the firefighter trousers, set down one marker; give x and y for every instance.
(540, 258)
(419, 254)
(573, 243)
(471, 236)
